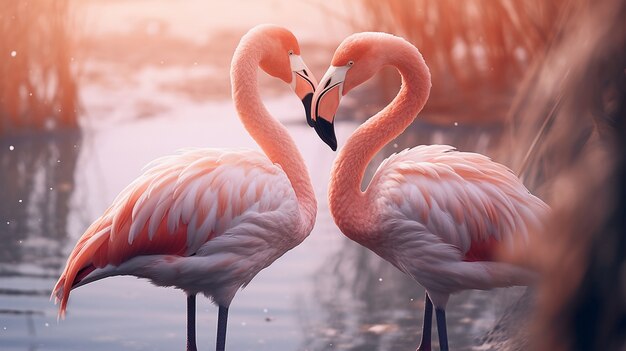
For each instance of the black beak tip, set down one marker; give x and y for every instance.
(326, 132)
(306, 101)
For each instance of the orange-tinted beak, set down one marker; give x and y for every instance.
(303, 83)
(326, 102)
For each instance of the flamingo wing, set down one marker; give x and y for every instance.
(179, 207)
(460, 199)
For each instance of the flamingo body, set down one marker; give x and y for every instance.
(205, 220)
(208, 220)
(442, 214)
(437, 214)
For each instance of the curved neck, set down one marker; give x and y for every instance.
(270, 134)
(348, 204)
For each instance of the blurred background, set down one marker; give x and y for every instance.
(92, 90)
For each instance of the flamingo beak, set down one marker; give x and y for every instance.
(303, 83)
(326, 102)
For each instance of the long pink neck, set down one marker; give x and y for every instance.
(352, 210)
(270, 134)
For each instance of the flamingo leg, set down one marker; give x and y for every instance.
(191, 322)
(221, 328)
(441, 329)
(425, 344)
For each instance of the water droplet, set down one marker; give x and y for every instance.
(456, 124)
(243, 324)
(265, 310)
(11, 147)
(47, 324)
(30, 94)
(50, 188)
(20, 200)
(380, 279)
(395, 145)
(411, 300)
(8, 222)
(195, 63)
(20, 241)
(13, 53)
(5, 328)
(58, 161)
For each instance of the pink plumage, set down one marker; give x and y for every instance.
(208, 220)
(178, 208)
(437, 214)
(447, 211)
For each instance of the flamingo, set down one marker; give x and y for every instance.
(436, 214)
(208, 220)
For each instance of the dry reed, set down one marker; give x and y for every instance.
(478, 50)
(574, 104)
(37, 88)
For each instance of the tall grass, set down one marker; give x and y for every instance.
(478, 51)
(37, 88)
(574, 105)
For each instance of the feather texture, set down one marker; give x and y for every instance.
(439, 207)
(187, 216)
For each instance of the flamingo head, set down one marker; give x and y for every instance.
(281, 59)
(357, 59)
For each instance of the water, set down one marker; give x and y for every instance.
(327, 294)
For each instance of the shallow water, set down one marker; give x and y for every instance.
(327, 294)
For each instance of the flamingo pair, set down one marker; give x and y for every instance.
(208, 220)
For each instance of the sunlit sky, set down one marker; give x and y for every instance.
(193, 19)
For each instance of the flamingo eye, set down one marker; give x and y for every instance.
(350, 63)
(290, 52)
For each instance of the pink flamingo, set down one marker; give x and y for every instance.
(208, 220)
(436, 214)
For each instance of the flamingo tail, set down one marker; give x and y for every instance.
(78, 266)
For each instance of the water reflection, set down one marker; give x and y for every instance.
(366, 304)
(37, 181)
